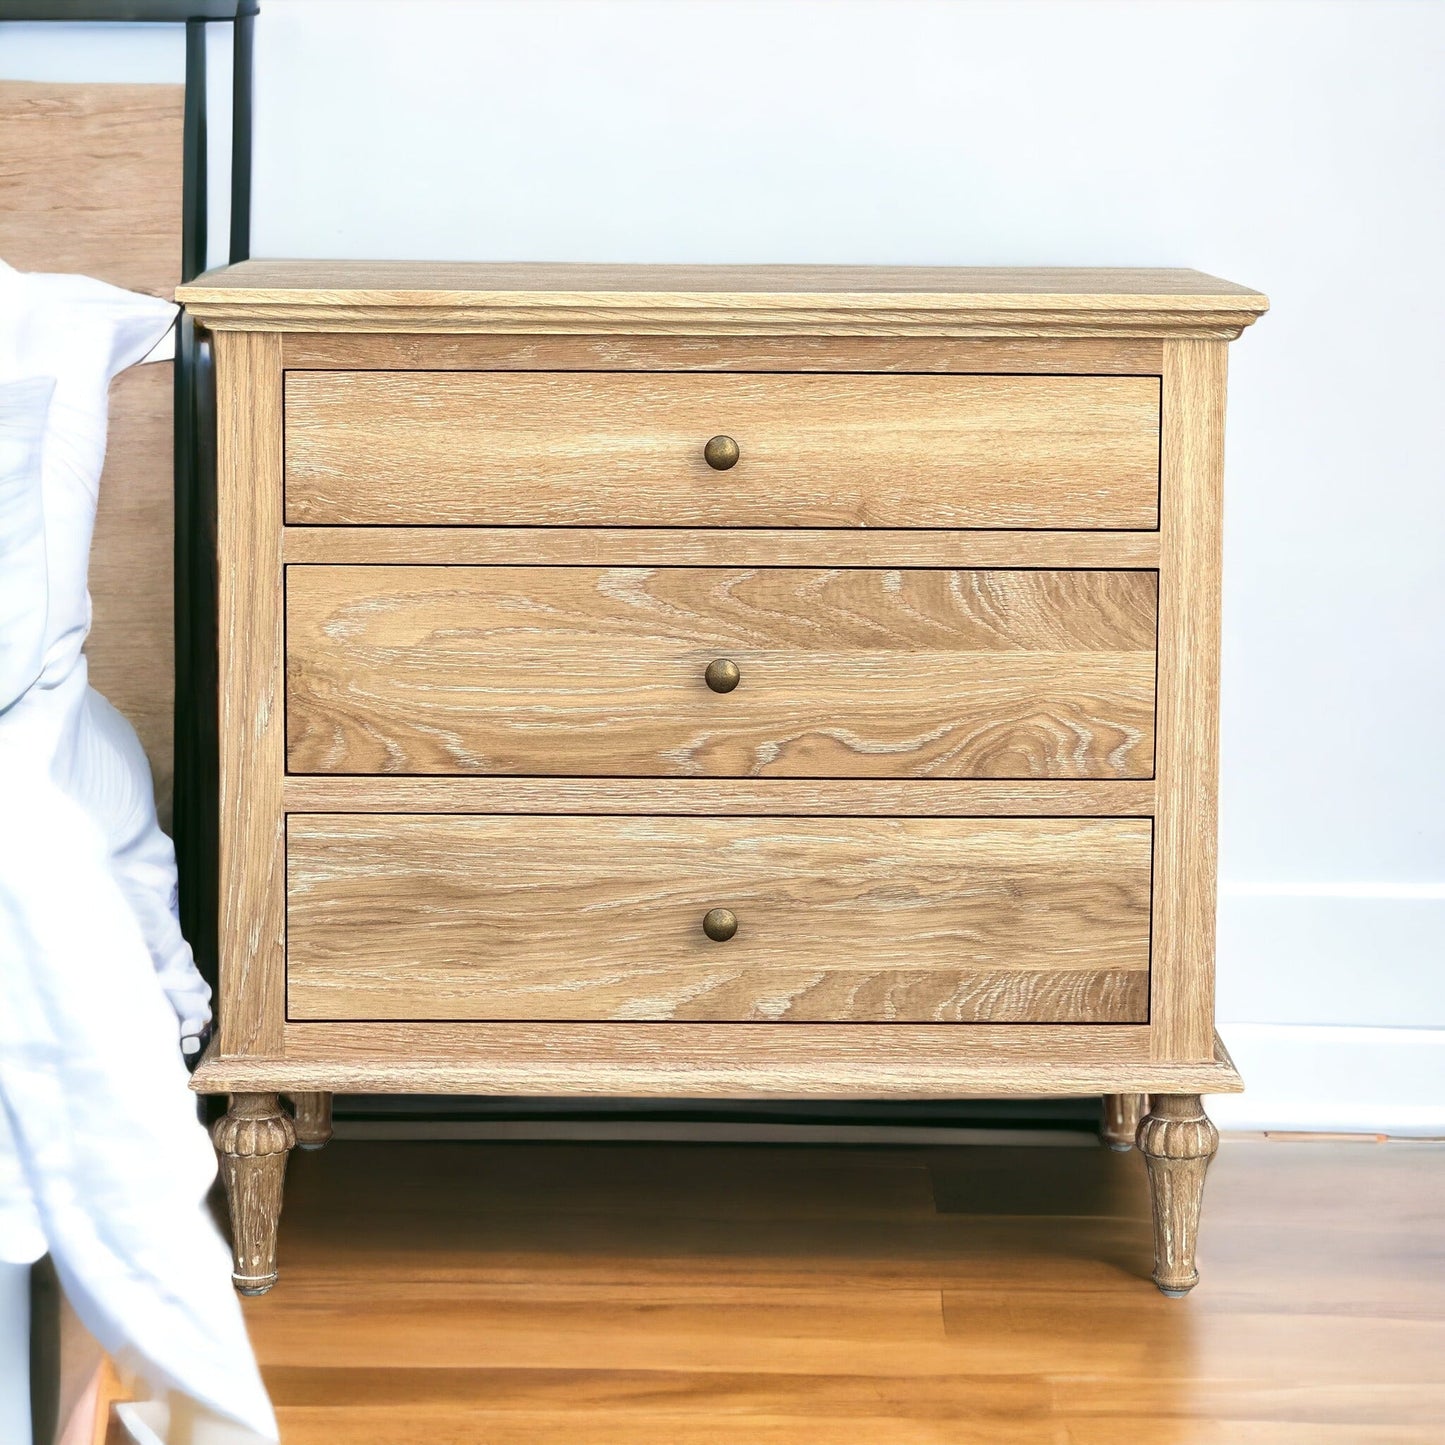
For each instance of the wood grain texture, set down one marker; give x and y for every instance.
(313, 1120)
(1120, 1117)
(457, 413)
(932, 920)
(868, 797)
(1187, 750)
(526, 1294)
(90, 182)
(401, 296)
(719, 547)
(613, 449)
(252, 1141)
(720, 1061)
(252, 723)
(353, 351)
(845, 673)
(131, 647)
(1177, 1141)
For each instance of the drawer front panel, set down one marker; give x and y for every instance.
(923, 920)
(608, 449)
(847, 673)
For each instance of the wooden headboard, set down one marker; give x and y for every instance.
(90, 181)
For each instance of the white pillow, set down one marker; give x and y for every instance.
(24, 406)
(82, 332)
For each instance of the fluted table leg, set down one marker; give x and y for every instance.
(253, 1139)
(1177, 1141)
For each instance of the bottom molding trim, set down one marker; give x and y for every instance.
(657, 1073)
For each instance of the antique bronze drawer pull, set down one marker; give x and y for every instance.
(719, 924)
(721, 452)
(722, 674)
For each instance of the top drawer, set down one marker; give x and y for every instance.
(439, 448)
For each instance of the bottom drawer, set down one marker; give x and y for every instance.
(922, 920)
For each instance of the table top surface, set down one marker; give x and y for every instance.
(718, 300)
(962, 285)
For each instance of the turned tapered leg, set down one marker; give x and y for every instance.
(1119, 1122)
(1177, 1141)
(253, 1139)
(313, 1119)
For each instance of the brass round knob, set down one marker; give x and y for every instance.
(721, 453)
(719, 924)
(722, 674)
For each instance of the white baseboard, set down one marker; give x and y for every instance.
(1335, 1078)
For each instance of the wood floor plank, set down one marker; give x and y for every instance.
(682, 1392)
(468, 1425)
(684, 1295)
(1166, 1430)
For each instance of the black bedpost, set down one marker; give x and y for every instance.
(243, 32)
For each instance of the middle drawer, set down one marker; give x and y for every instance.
(821, 672)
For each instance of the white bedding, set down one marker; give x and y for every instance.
(77, 334)
(24, 409)
(102, 1159)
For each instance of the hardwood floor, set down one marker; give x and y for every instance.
(616, 1294)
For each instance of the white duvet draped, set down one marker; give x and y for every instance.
(103, 1161)
(102, 1132)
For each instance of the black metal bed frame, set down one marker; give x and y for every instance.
(195, 824)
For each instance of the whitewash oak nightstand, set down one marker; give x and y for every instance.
(787, 682)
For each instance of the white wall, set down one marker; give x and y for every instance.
(1296, 147)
